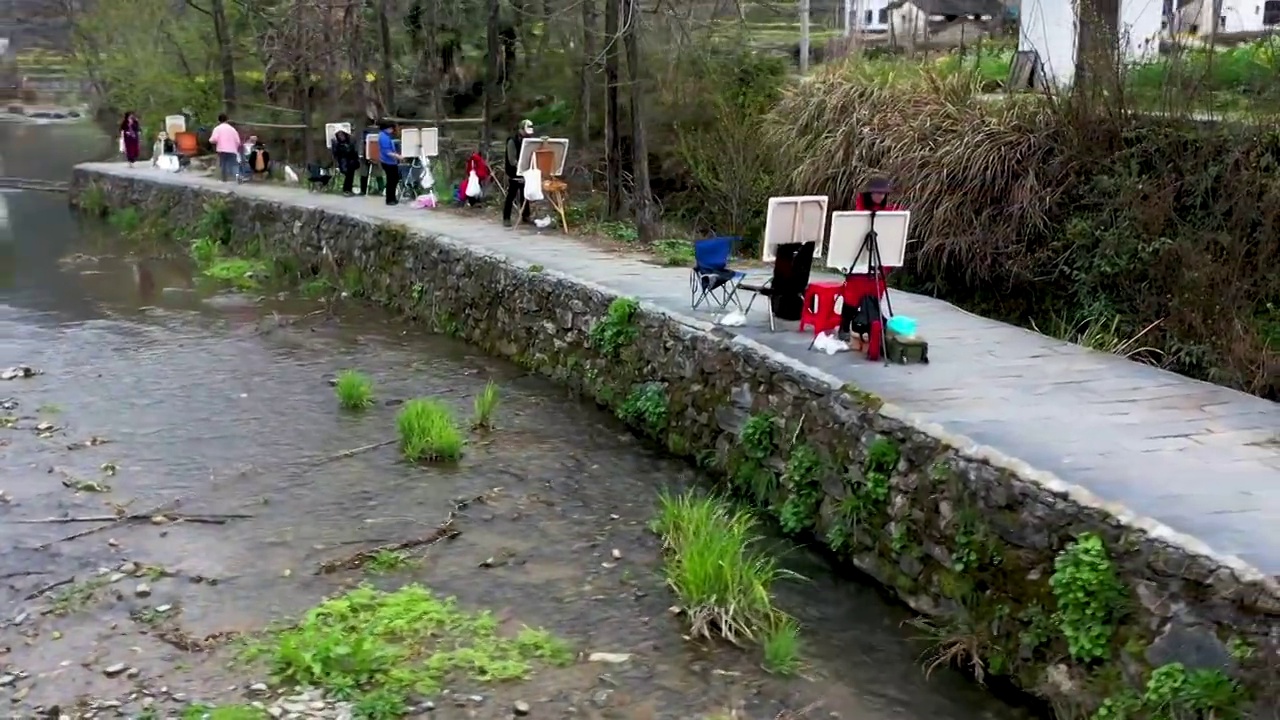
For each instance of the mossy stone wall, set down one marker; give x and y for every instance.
(1014, 572)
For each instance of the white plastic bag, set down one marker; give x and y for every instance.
(533, 185)
(829, 344)
(168, 163)
(121, 143)
(473, 185)
(428, 181)
(290, 175)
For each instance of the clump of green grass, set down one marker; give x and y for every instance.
(223, 712)
(385, 561)
(781, 645)
(242, 272)
(486, 405)
(354, 390)
(204, 251)
(377, 648)
(674, 252)
(428, 431)
(712, 563)
(125, 219)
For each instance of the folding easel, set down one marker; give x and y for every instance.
(554, 190)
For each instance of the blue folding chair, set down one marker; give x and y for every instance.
(711, 280)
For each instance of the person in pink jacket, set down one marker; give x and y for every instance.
(226, 142)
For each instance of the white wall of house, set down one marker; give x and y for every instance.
(1238, 16)
(910, 24)
(1048, 27)
(1140, 22)
(873, 15)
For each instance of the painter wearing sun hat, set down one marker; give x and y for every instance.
(875, 196)
(515, 183)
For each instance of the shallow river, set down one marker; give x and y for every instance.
(208, 404)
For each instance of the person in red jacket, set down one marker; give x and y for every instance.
(875, 196)
(475, 164)
(862, 293)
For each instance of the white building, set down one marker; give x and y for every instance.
(1195, 17)
(914, 21)
(869, 15)
(1050, 29)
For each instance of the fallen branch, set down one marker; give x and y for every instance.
(351, 453)
(186, 642)
(284, 322)
(50, 588)
(214, 519)
(116, 521)
(24, 573)
(445, 531)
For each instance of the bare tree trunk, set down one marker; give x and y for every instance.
(612, 124)
(388, 79)
(642, 196)
(226, 58)
(491, 86)
(308, 107)
(804, 36)
(435, 73)
(585, 83)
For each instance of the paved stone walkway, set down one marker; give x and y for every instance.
(1202, 459)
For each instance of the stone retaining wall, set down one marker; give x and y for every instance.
(1076, 601)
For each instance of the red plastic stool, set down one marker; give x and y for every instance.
(821, 309)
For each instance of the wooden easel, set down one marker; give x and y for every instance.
(554, 190)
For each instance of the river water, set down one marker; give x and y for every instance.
(208, 404)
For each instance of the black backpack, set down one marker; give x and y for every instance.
(859, 319)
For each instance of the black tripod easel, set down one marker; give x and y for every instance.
(879, 281)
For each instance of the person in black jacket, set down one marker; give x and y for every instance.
(347, 157)
(515, 183)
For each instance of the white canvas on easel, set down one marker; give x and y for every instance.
(798, 219)
(419, 143)
(558, 146)
(849, 231)
(331, 131)
(428, 142)
(174, 124)
(410, 142)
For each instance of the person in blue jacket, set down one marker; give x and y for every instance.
(389, 156)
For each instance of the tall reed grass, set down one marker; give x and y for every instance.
(713, 563)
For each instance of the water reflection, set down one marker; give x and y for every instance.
(37, 229)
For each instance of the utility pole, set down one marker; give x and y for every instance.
(804, 37)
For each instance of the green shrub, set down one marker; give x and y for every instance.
(354, 390)
(377, 648)
(428, 431)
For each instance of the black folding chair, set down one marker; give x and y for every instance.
(785, 288)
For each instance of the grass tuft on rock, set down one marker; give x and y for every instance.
(781, 646)
(486, 405)
(428, 431)
(712, 564)
(354, 390)
(379, 648)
